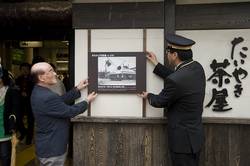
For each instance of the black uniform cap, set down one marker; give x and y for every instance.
(179, 42)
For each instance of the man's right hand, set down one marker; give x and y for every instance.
(91, 97)
(152, 58)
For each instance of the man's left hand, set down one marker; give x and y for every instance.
(82, 84)
(143, 95)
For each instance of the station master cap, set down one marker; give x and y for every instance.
(179, 42)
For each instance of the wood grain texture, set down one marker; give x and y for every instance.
(213, 16)
(98, 143)
(118, 15)
(160, 15)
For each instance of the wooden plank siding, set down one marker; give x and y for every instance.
(151, 15)
(117, 15)
(143, 142)
(119, 144)
(213, 16)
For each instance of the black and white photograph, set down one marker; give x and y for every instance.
(118, 72)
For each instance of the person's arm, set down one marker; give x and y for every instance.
(55, 107)
(71, 95)
(165, 97)
(159, 69)
(162, 71)
(75, 93)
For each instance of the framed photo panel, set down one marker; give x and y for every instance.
(117, 72)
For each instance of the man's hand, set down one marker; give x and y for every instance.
(152, 58)
(143, 95)
(82, 84)
(91, 97)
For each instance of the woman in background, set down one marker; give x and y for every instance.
(9, 105)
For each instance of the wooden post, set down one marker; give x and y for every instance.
(169, 26)
(144, 114)
(89, 50)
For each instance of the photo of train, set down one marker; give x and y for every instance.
(116, 70)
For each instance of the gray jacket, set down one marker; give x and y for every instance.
(52, 118)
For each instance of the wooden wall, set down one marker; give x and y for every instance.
(226, 144)
(160, 15)
(119, 142)
(143, 142)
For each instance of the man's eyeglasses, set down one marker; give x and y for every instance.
(168, 49)
(50, 71)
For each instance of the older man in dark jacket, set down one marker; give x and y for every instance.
(182, 96)
(52, 115)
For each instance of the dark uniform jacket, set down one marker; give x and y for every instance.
(183, 96)
(52, 117)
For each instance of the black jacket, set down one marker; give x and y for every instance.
(11, 109)
(183, 96)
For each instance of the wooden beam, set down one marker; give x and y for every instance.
(169, 16)
(213, 16)
(118, 15)
(169, 27)
(56, 14)
(151, 15)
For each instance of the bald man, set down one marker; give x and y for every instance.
(52, 115)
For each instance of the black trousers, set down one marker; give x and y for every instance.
(5, 153)
(185, 159)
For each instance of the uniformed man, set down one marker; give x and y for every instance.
(182, 96)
